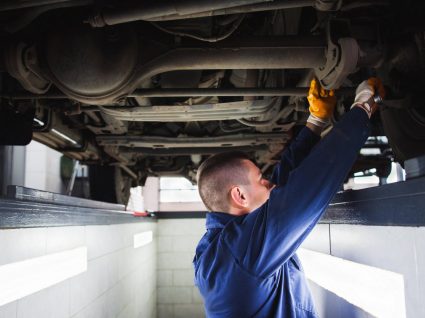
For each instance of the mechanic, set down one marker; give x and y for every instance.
(245, 264)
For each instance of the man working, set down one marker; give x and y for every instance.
(245, 265)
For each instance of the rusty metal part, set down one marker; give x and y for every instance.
(22, 63)
(186, 113)
(209, 59)
(199, 9)
(153, 9)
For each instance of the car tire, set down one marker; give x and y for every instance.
(109, 184)
(405, 129)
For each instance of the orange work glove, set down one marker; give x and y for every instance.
(365, 93)
(322, 103)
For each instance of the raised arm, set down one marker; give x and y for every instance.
(273, 232)
(322, 105)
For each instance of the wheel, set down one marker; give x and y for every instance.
(405, 129)
(16, 126)
(123, 184)
(403, 118)
(109, 184)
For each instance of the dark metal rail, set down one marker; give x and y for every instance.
(397, 204)
(25, 208)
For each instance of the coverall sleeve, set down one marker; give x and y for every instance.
(293, 155)
(267, 237)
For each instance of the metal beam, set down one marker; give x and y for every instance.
(209, 59)
(269, 6)
(192, 92)
(151, 10)
(230, 141)
(248, 91)
(33, 208)
(188, 151)
(33, 195)
(396, 204)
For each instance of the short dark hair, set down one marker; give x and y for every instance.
(217, 174)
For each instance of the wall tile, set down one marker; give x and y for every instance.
(196, 296)
(114, 301)
(111, 273)
(184, 311)
(186, 243)
(86, 287)
(129, 230)
(21, 244)
(59, 239)
(52, 302)
(420, 268)
(99, 308)
(174, 295)
(177, 240)
(35, 180)
(119, 281)
(165, 244)
(178, 243)
(165, 278)
(129, 311)
(102, 240)
(387, 247)
(9, 310)
(183, 277)
(126, 261)
(146, 306)
(181, 260)
(318, 239)
(35, 305)
(330, 305)
(143, 287)
(145, 253)
(165, 311)
(173, 227)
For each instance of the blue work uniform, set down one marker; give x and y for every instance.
(246, 266)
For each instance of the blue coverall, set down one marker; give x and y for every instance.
(246, 266)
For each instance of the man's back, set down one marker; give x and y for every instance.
(230, 290)
(245, 266)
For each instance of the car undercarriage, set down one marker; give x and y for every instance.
(139, 88)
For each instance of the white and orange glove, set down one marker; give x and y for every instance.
(365, 93)
(322, 104)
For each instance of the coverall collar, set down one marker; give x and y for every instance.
(217, 220)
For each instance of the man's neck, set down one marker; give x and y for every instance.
(237, 211)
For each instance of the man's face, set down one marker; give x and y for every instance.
(258, 190)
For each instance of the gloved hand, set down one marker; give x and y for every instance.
(322, 104)
(365, 93)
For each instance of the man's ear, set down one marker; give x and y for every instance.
(238, 197)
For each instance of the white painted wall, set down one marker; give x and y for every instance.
(120, 280)
(42, 168)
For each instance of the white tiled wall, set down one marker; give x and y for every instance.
(120, 281)
(177, 295)
(156, 280)
(397, 249)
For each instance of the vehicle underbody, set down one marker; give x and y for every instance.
(153, 88)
